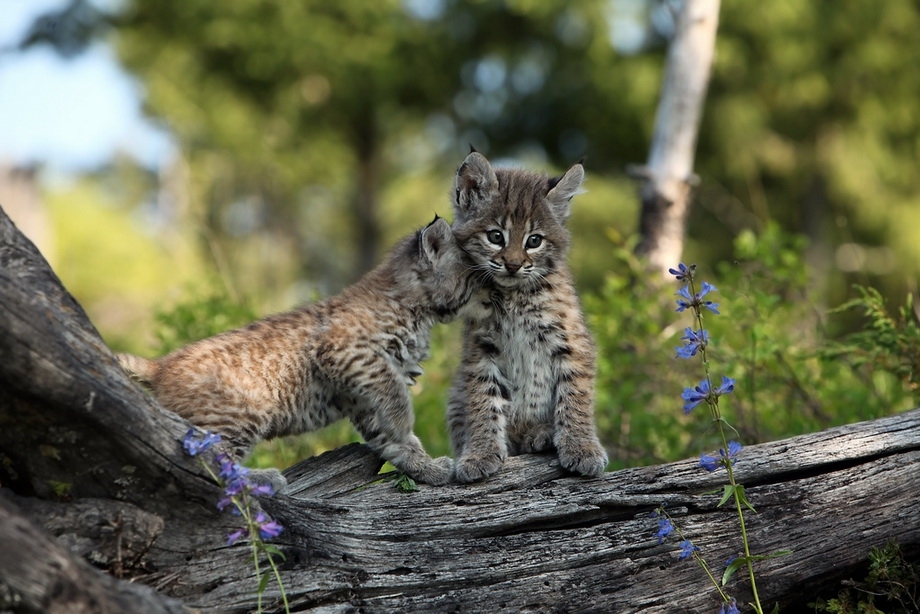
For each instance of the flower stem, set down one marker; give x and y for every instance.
(277, 574)
(713, 402)
(697, 557)
(740, 510)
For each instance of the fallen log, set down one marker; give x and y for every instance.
(91, 459)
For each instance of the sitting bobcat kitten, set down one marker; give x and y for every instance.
(526, 379)
(351, 356)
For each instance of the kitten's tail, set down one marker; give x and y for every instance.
(140, 369)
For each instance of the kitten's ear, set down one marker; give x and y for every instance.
(474, 184)
(563, 189)
(436, 238)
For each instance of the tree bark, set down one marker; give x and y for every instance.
(87, 456)
(668, 175)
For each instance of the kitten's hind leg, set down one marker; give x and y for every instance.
(386, 425)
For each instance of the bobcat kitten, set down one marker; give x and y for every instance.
(351, 355)
(526, 380)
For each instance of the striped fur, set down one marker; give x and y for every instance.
(350, 356)
(526, 381)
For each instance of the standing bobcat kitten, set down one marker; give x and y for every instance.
(526, 380)
(351, 356)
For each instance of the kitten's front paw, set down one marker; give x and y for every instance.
(587, 459)
(437, 473)
(474, 468)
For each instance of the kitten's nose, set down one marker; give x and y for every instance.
(512, 267)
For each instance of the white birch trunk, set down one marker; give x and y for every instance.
(669, 174)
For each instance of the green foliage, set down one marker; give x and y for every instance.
(403, 483)
(890, 344)
(61, 490)
(198, 317)
(113, 260)
(891, 585)
(769, 338)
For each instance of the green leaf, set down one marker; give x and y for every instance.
(271, 549)
(741, 561)
(61, 490)
(742, 498)
(263, 582)
(404, 483)
(727, 493)
(732, 567)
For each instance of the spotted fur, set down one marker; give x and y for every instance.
(350, 356)
(526, 380)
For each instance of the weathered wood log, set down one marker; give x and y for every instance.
(39, 574)
(90, 457)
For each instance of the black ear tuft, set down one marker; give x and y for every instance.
(474, 185)
(472, 149)
(434, 237)
(582, 160)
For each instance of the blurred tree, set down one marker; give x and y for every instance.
(668, 176)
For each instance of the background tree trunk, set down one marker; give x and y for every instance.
(668, 175)
(89, 457)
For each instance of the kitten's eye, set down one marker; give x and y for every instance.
(495, 237)
(533, 241)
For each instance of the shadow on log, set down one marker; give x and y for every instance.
(93, 471)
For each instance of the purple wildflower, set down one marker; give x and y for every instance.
(695, 396)
(230, 470)
(696, 341)
(687, 301)
(268, 528)
(195, 446)
(729, 608)
(733, 448)
(236, 535)
(665, 528)
(711, 463)
(263, 490)
(686, 550)
(683, 272)
(727, 386)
